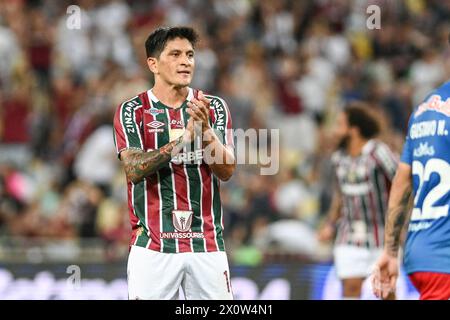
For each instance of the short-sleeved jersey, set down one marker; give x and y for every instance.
(178, 208)
(364, 183)
(427, 151)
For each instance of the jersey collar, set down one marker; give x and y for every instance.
(368, 147)
(155, 99)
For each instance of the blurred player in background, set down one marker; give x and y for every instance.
(422, 181)
(364, 168)
(173, 189)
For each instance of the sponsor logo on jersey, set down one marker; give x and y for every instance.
(153, 111)
(355, 189)
(424, 150)
(417, 226)
(128, 116)
(434, 103)
(155, 126)
(182, 220)
(133, 103)
(220, 114)
(177, 123)
(181, 235)
(188, 157)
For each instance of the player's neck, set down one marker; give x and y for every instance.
(170, 96)
(355, 146)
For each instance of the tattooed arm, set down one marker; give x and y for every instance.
(400, 202)
(139, 164)
(385, 273)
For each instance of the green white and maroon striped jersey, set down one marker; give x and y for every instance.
(177, 209)
(364, 182)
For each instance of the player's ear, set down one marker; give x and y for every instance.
(152, 64)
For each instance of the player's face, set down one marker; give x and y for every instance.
(176, 63)
(342, 130)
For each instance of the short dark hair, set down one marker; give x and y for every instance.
(360, 116)
(157, 40)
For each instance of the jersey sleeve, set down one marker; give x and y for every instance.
(127, 126)
(407, 153)
(386, 160)
(221, 121)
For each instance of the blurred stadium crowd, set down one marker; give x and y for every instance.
(287, 65)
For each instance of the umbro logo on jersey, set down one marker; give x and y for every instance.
(155, 124)
(153, 111)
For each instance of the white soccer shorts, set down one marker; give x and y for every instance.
(154, 275)
(354, 262)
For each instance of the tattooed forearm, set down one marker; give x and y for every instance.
(139, 164)
(397, 215)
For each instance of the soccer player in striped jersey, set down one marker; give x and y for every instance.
(422, 182)
(364, 168)
(173, 177)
